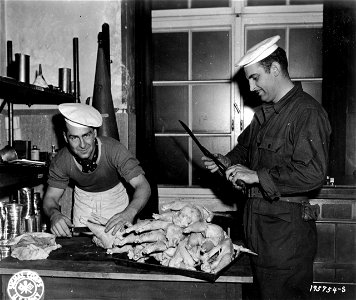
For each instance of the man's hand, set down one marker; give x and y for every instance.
(240, 172)
(120, 220)
(60, 225)
(211, 166)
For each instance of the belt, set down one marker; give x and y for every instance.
(255, 192)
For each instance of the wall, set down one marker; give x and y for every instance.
(45, 31)
(2, 37)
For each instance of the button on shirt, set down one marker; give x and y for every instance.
(287, 144)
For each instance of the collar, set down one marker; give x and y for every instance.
(267, 108)
(89, 165)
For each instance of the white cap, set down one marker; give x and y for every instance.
(80, 115)
(259, 51)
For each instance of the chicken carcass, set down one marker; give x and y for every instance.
(206, 214)
(158, 246)
(138, 225)
(187, 215)
(218, 257)
(211, 232)
(123, 249)
(101, 238)
(166, 216)
(174, 234)
(153, 225)
(152, 236)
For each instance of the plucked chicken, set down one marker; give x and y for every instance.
(180, 237)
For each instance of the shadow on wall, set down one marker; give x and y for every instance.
(58, 127)
(250, 99)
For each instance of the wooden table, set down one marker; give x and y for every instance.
(80, 270)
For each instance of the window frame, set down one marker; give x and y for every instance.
(198, 20)
(239, 17)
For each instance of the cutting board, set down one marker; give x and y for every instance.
(79, 248)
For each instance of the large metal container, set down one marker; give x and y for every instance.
(25, 197)
(13, 220)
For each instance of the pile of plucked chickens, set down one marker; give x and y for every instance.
(182, 236)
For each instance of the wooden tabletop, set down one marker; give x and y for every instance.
(80, 258)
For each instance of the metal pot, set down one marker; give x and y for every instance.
(8, 153)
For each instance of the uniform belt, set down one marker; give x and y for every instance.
(256, 193)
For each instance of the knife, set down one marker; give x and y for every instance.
(80, 229)
(207, 153)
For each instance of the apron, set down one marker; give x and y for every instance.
(104, 204)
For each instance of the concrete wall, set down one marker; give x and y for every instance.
(45, 31)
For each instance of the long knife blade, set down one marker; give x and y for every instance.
(205, 151)
(238, 184)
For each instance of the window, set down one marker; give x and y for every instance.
(195, 51)
(192, 83)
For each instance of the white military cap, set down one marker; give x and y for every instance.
(80, 115)
(259, 51)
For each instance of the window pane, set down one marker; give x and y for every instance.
(170, 105)
(314, 89)
(215, 145)
(172, 156)
(265, 2)
(211, 108)
(209, 3)
(305, 52)
(170, 55)
(211, 55)
(254, 36)
(166, 4)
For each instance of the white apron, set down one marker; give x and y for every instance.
(105, 204)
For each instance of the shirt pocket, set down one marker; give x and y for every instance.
(271, 150)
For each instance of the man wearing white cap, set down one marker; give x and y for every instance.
(282, 156)
(97, 166)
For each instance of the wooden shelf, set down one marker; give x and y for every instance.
(17, 92)
(14, 177)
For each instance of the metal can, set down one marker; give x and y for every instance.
(30, 225)
(25, 197)
(5, 251)
(35, 153)
(37, 203)
(13, 220)
(38, 223)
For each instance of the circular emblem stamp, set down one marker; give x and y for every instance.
(25, 285)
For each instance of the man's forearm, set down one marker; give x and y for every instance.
(139, 200)
(51, 210)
